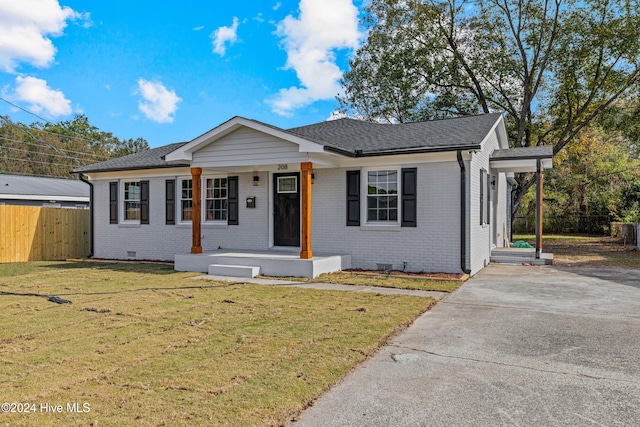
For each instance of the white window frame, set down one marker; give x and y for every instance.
(364, 191)
(295, 179)
(123, 202)
(179, 200)
(204, 200)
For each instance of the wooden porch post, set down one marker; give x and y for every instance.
(305, 244)
(196, 247)
(538, 208)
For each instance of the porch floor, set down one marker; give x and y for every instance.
(278, 263)
(519, 256)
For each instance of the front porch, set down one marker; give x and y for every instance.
(245, 263)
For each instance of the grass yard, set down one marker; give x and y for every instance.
(586, 250)
(391, 281)
(143, 345)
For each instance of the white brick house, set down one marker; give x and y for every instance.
(426, 196)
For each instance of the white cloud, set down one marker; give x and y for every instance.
(201, 27)
(224, 35)
(158, 104)
(310, 42)
(25, 30)
(41, 99)
(277, 6)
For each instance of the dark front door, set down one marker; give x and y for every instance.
(286, 212)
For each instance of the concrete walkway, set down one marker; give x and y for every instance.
(515, 345)
(327, 286)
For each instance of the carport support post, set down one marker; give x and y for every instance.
(538, 207)
(305, 244)
(196, 247)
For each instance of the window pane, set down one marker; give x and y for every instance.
(131, 210)
(132, 191)
(216, 199)
(382, 199)
(187, 210)
(287, 184)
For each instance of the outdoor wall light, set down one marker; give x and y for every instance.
(256, 180)
(313, 178)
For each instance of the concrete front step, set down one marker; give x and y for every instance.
(234, 270)
(519, 258)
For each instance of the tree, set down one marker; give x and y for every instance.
(54, 149)
(597, 179)
(553, 67)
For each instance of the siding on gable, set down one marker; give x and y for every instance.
(248, 147)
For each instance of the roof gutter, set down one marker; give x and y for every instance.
(334, 150)
(463, 215)
(133, 168)
(91, 220)
(418, 150)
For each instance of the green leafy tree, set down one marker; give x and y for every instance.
(54, 149)
(553, 67)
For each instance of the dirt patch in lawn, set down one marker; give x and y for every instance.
(588, 250)
(448, 276)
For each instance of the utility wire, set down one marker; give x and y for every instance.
(35, 161)
(42, 145)
(32, 152)
(47, 121)
(7, 120)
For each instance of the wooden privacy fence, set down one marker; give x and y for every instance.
(30, 233)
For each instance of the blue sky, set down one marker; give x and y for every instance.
(171, 71)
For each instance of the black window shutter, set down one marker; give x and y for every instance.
(144, 202)
(409, 197)
(113, 202)
(353, 198)
(170, 201)
(481, 196)
(232, 200)
(488, 198)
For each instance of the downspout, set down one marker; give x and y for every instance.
(84, 179)
(463, 215)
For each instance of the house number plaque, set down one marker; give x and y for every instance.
(283, 167)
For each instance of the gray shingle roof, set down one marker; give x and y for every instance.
(36, 186)
(149, 159)
(349, 136)
(544, 151)
(353, 135)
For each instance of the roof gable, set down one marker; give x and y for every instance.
(185, 153)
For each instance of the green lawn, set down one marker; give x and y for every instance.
(143, 345)
(586, 250)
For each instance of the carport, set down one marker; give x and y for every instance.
(526, 160)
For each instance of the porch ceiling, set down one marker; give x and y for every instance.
(522, 159)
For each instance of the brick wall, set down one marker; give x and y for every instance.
(431, 246)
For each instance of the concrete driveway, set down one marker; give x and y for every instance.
(516, 346)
